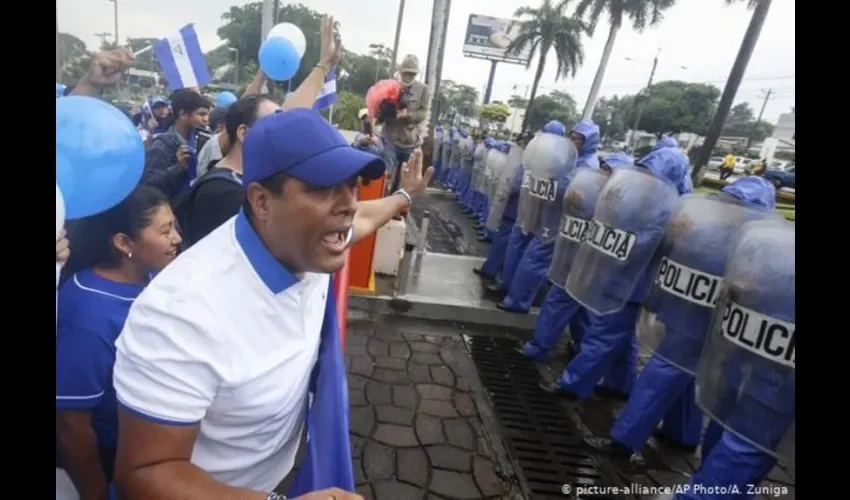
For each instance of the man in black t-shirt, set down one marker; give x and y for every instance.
(218, 195)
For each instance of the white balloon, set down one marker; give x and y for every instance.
(292, 33)
(60, 212)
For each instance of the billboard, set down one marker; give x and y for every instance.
(489, 37)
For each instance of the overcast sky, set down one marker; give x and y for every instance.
(701, 35)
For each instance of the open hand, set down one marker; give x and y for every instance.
(330, 494)
(330, 46)
(63, 249)
(413, 179)
(107, 67)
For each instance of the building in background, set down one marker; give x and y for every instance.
(786, 127)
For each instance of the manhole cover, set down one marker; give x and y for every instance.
(542, 440)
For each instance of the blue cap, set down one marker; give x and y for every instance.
(301, 144)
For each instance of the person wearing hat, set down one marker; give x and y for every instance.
(233, 352)
(402, 134)
(366, 139)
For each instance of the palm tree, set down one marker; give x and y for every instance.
(641, 13)
(748, 44)
(544, 28)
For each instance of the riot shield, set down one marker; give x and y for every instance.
(687, 275)
(628, 224)
(446, 150)
(578, 205)
(746, 377)
(494, 161)
(468, 156)
(549, 158)
(523, 202)
(479, 165)
(502, 187)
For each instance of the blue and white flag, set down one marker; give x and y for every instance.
(182, 60)
(328, 96)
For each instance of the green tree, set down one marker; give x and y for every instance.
(555, 106)
(742, 60)
(518, 102)
(610, 114)
(641, 13)
(674, 106)
(242, 28)
(545, 28)
(358, 71)
(458, 103)
(493, 115)
(742, 123)
(345, 111)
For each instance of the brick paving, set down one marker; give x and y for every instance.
(416, 429)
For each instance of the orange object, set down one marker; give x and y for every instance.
(361, 277)
(341, 291)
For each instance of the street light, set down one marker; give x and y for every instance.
(235, 64)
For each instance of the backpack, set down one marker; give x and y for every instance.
(182, 206)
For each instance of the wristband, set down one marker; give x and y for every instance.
(405, 194)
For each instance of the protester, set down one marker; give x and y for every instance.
(106, 69)
(154, 119)
(402, 134)
(366, 139)
(218, 145)
(218, 410)
(118, 251)
(728, 166)
(167, 161)
(218, 195)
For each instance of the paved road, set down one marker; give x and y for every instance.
(415, 423)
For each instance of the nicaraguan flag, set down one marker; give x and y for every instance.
(181, 59)
(327, 460)
(328, 96)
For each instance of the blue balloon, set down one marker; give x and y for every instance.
(225, 98)
(279, 59)
(99, 155)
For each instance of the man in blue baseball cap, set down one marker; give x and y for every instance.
(233, 353)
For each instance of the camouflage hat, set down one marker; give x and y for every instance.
(410, 64)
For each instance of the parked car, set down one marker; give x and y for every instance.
(714, 163)
(741, 165)
(781, 178)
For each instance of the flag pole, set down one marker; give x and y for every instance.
(140, 52)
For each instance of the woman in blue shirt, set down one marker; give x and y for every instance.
(115, 254)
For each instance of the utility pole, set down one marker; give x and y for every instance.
(748, 44)
(103, 38)
(433, 74)
(266, 23)
(397, 37)
(639, 110)
(115, 10)
(758, 120)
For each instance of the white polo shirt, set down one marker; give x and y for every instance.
(227, 337)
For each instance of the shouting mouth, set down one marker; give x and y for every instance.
(336, 242)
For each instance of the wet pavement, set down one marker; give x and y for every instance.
(417, 428)
(424, 426)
